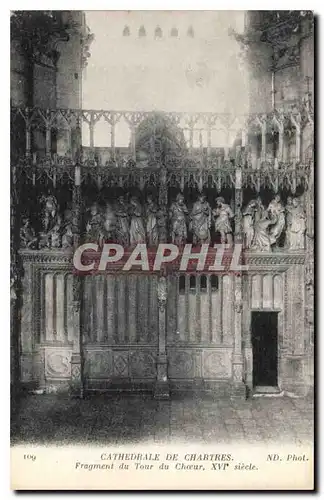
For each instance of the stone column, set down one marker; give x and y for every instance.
(281, 143)
(113, 135)
(48, 132)
(246, 333)
(237, 360)
(209, 134)
(237, 352)
(76, 358)
(91, 132)
(263, 139)
(162, 389)
(133, 140)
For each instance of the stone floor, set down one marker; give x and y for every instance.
(135, 419)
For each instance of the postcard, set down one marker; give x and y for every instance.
(162, 250)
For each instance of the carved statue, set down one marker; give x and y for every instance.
(55, 234)
(200, 220)
(50, 235)
(260, 210)
(296, 225)
(249, 222)
(151, 222)
(109, 222)
(94, 226)
(276, 213)
(49, 213)
(27, 234)
(177, 214)
(222, 216)
(122, 222)
(14, 279)
(261, 239)
(136, 230)
(162, 221)
(67, 234)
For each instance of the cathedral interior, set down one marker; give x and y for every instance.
(230, 334)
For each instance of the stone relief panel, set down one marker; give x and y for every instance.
(264, 227)
(142, 365)
(98, 364)
(217, 364)
(120, 364)
(181, 364)
(57, 363)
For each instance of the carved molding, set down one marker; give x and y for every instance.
(58, 260)
(275, 258)
(271, 174)
(179, 166)
(60, 257)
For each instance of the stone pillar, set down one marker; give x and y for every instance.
(238, 231)
(246, 333)
(238, 307)
(191, 133)
(76, 358)
(133, 141)
(76, 140)
(296, 121)
(162, 389)
(48, 129)
(281, 143)
(91, 132)
(263, 140)
(113, 135)
(209, 134)
(237, 360)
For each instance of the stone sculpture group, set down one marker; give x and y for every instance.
(129, 223)
(263, 227)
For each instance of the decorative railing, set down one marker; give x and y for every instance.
(272, 178)
(48, 144)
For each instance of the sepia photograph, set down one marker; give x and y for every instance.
(162, 249)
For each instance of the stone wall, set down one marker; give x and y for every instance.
(69, 65)
(51, 83)
(291, 69)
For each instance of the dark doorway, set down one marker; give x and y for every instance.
(265, 348)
